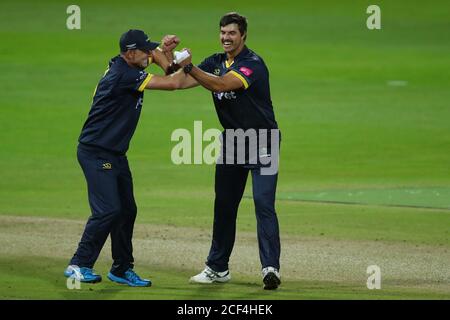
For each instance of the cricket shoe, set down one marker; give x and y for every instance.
(208, 275)
(86, 275)
(271, 278)
(130, 278)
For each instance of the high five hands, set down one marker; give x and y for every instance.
(169, 42)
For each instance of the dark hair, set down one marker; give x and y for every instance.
(234, 17)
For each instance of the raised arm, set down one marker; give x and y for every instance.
(163, 55)
(229, 81)
(177, 80)
(160, 58)
(164, 58)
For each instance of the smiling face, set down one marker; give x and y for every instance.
(231, 38)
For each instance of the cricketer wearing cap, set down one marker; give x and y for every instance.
(103, 143)
(239, 81)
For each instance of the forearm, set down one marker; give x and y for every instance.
(177, 80)
(183, 80)
(209, 81)
(187, 82)
(162, 58)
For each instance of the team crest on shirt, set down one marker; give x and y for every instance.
(107, 166)
(247, 71)
(216, 72)
(143, 74)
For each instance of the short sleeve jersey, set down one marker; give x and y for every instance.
(249, 107)
(116, 107)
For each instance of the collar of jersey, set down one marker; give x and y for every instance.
(241, 54)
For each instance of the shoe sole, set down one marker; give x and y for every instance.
(92, 281)
(271, 281)
(191, 280)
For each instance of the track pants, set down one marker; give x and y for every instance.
(230, 183)
(110, 192)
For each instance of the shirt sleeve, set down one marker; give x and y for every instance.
(135, 80)
(248, 71)
(208, 64)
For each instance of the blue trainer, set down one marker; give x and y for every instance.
(130, 278)
(82, 274)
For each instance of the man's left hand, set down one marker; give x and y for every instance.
(169, 42)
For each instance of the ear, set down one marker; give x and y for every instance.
(129, 54)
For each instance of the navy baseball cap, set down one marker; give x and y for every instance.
(136, 39)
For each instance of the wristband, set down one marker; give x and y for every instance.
(172, 68)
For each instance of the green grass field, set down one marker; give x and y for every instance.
(364, 176)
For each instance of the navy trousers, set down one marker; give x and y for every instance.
(110, 192)
(230, 183)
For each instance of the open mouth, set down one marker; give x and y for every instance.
(227, 44)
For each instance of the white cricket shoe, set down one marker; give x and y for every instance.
(271, 278)
(208, 275)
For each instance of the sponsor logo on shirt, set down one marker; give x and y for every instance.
(227, 95)
(247, 71)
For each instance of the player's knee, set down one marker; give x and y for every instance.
(264, 206)
(116, 212)
(105, 216)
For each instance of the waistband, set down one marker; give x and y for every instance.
(97, 149)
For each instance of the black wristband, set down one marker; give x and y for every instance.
(172, 68)
(188, 68)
